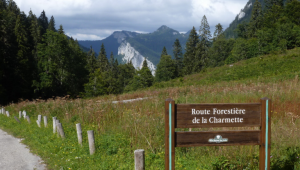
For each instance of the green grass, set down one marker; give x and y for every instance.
(124, 127)
(273, 67)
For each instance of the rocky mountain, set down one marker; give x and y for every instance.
(130, 54)
(136, 47)
(243, 16)
(111, 43)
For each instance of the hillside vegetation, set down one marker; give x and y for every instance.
(40, 61)
(124, 127)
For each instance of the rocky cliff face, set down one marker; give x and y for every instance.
(242, 13)
(130, 54)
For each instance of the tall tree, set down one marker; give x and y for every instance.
(218, 31)
(201, 57)
(177, 51)
(241, 30)
(23, 57)
(61, 66)
(221, 47)
(142, 79)
(114, 85)
(43, 22)
(13, 7)
(190, 51)
(146, 75)
(3, 4)
(61, 30)
(292, 11)
(126, 73)
(91, 61)
(164, 51)
(270, 3)
(34, 39)
(102, 59)
(96, 85)
(166, 69)
(51, 25)
(256, 19)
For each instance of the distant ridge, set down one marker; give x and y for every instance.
(149, 45)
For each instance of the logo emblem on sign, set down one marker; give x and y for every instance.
(218, 139)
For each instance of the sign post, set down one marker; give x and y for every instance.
(218, 115)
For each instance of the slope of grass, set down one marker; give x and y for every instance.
(124, 127)
(273, 67)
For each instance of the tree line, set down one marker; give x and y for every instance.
(272, 29)
(39, 61)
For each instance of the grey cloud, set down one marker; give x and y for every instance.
(101, 17)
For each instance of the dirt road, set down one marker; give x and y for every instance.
(15, 156)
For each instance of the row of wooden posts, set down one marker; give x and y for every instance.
(139, 155)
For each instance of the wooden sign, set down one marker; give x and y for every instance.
(218, 115)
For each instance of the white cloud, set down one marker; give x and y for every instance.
(79, 36)
(217, 11)
(99, 18)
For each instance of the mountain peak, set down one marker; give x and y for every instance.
(163, 27)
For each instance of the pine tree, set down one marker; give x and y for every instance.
(96, 85)
(61, 66)
(43, 22)
(270, 3)
(61, 30)
(292, 11)
(13, 7)
(142, 79)
(3, 4)
(166, 69)
(201, 57)
(190, 52)
(126, 73)
(164, 51)
(22, 38)
(35, 38)
(146, 75)
(91, 61)
(272, 15)
(218, 31)
(102, 59)
(241, 30)
(51, 25)
(76, 62)
(256, 19)
(111, 61)
(177, 51)
(220, 49)
(24, 68)
(112, 77)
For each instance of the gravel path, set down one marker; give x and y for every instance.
(15, 156)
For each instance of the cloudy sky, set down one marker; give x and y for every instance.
(97, 19)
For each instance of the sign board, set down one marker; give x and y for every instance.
(218, 115)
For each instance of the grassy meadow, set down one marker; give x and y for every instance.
(124, 127)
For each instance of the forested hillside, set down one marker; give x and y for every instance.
(37, 60)
(245, 15)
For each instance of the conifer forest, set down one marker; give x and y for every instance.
(39, 61)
